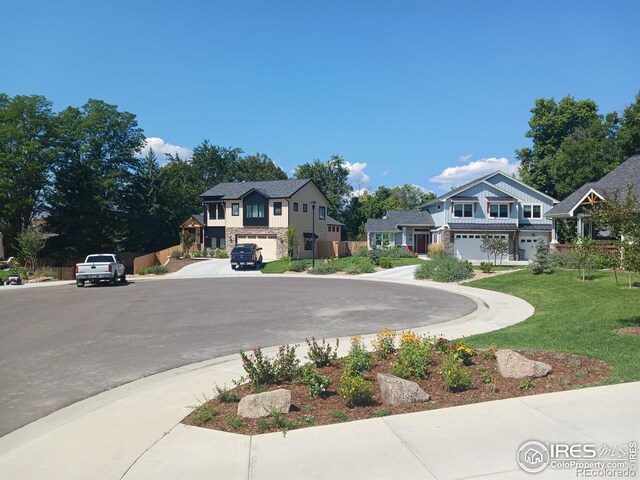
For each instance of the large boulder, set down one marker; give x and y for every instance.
(397, 391)
(513, 365)
(262, 404)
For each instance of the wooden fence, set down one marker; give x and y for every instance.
(325, 249)
(156, 258)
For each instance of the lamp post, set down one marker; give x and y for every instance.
(313, 235)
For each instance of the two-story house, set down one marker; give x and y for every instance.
(495, 205)
(261, 213)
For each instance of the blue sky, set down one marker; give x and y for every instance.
(422, 92)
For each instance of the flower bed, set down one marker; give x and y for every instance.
(346, 389)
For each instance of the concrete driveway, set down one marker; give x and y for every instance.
(213, 268)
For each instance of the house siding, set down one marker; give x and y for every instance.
(303, 220)
(481, 214)
(278, 221)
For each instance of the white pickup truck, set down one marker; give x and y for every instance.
(100, 267)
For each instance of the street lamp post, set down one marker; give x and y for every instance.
(313, 235)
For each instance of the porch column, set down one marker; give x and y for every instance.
(580, 226)
(554, 235)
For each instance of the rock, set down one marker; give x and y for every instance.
(513, 365)
(260, 404)
(397, 391)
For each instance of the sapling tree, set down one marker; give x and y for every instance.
(541, 262)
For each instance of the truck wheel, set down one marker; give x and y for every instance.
(114, 280)
(123, 278)
(79, 283)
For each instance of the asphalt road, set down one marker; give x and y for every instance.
(59, 345)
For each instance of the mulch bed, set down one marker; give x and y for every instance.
(569, 372)
(177, 264)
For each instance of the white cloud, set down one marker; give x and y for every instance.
(160, 148)
(386, 172)
(455, 176)
(358, 193)
(465, 158)
(356, 174)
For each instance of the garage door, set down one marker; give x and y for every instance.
(266, 242)
(527, 244)
(467, 246)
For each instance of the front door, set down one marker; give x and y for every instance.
(421, 243)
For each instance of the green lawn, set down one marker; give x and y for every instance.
(281, 266)
(572, 317)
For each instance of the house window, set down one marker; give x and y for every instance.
(235, 209)
(304, 207)
(499, 210)
(277, 208)
(322, 213)
(295, 206)
(255, 210)
(532, 211)
(463, 210)
(212, 212)
(220, 211)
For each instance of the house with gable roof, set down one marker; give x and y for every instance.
(579, 203)
(495, 205)
(261, 212)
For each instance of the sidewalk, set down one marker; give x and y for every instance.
(133, 431)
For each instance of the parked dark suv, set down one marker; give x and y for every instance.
(246, 254)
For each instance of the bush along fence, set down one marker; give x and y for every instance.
(156, 258)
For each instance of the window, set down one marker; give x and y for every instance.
(463, 210)
(235, 209)
(220, 211)
(322, 213)
(254, 210)
(499, 210)
(212, 212)
(295, 206)
(304, 207)
(277, 208)
(532, 211)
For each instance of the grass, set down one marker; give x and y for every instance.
(281, 266)
(571, 316)
(4, 274)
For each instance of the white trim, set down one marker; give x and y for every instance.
(591, 190)
(463, 204)
(498, 204)
(532, 205)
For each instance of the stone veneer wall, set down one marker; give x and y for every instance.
(447, 242)
(280, 233)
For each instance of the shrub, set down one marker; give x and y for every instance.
(322, 355)
(456, 378)
(260, 369)
(435, 249)
(541, 263)
(325, 268)
(386, 263)
(411, 360)
(154, 270)
(396, 252)
(526, 384)
(486, 267)
(355, 390)
(359, 360)
(385, 343)
(317, 384)
(197, 253)
(362, 252)
(462, 353)
(358, 266)
(225, 395)
(339, 415)
(374, 255)
(45, 272)
(176, 255)
(444, 268)
(297, 266)
(204, 414)
(562, 259)
(287, 365)
(409, 337)
(220, 253)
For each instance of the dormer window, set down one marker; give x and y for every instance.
(463, 210)
(499, 210)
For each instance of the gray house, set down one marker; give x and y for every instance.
(494, 205)
(579, 203)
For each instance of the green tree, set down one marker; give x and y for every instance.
(31, 241)
(332, 178)
(212, 164)
(26, 158)
(407, 197)
(258, 167)
(97, 148)
(629, 131)
(144, 213)
(550, 124)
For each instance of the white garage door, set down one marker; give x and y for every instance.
(527, 243)
(467, 246)
(266, 242)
